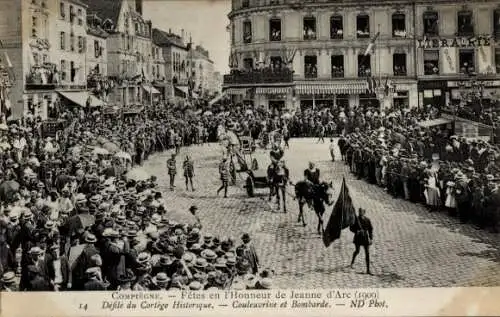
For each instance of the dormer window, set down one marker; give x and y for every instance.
(465, 27)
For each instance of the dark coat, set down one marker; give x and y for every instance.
(49, 272)
(94, 285)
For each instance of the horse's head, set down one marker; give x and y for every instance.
(326, 192)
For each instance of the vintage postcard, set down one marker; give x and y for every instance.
(249, 157)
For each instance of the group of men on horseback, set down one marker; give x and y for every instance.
(310, 190)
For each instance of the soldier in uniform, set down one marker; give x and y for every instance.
(172, 170)
(224, 176)
(363, 237)
(188, 167)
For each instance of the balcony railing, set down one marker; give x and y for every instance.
(259, 77)
(337, 73)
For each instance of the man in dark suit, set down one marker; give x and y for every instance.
(312, 174)
(363, 236)
(56, 269)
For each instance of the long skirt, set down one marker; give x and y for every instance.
(432, 197)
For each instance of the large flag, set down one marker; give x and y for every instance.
(372, 84)
(371, 45)
(343, 215)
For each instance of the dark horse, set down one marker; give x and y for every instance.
(315, 196)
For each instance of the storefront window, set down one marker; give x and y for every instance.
(306, 104)
(275, 30)
(363, 26)
(311, 66)
(401, 100)
(337, 62)
(336, 27)
(369, 100)
(433, 97)
(309, 28)
(431, 62)
(466, 60)
(343, 101)
(364, 66)
(399, 64)
(465, 27)
(398, 25)
(431, 23)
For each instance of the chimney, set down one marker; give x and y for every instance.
(169, 31)
(182, 35)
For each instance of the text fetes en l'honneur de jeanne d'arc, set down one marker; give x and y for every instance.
(242, 299)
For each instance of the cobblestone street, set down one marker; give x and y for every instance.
(411, 248)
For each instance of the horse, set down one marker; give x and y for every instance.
(315, 195)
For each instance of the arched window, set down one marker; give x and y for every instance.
(336, 27)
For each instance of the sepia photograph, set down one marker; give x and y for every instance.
(248, 145)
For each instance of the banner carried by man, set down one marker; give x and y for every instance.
(343, 215)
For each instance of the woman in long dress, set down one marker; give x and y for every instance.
(432, 195)
(450, 202)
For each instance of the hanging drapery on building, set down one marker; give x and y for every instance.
(346, 87)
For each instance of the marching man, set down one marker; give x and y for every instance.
(172, 170)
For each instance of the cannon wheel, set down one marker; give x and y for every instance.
(255, 164)
(250, 186)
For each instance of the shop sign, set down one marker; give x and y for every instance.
(462, 42)
(468, 83)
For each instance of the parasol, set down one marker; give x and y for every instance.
(8, 189)
(138, 175)
(123, 155)
(286, 115)
(208, 113)
(4, 127)
(249, 112)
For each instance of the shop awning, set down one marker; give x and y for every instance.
(151, 89)
(80, 98)
(236, 91)
(333, 88)
(434, 122)
(273, 90)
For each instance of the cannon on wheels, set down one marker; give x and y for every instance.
(256, 179)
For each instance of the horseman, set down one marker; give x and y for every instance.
(276, 154)
(312, 174)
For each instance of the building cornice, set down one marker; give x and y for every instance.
(342, 4)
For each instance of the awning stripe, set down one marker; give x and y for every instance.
(236, 91)
(333, 88)
(81, 98)
(150, 88)
(272, 90)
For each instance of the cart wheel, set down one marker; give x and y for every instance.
(255, 164)
(250, 186)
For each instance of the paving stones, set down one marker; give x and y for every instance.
(412, 247)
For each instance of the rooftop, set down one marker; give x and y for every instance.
(105, 9)
(162, 38)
